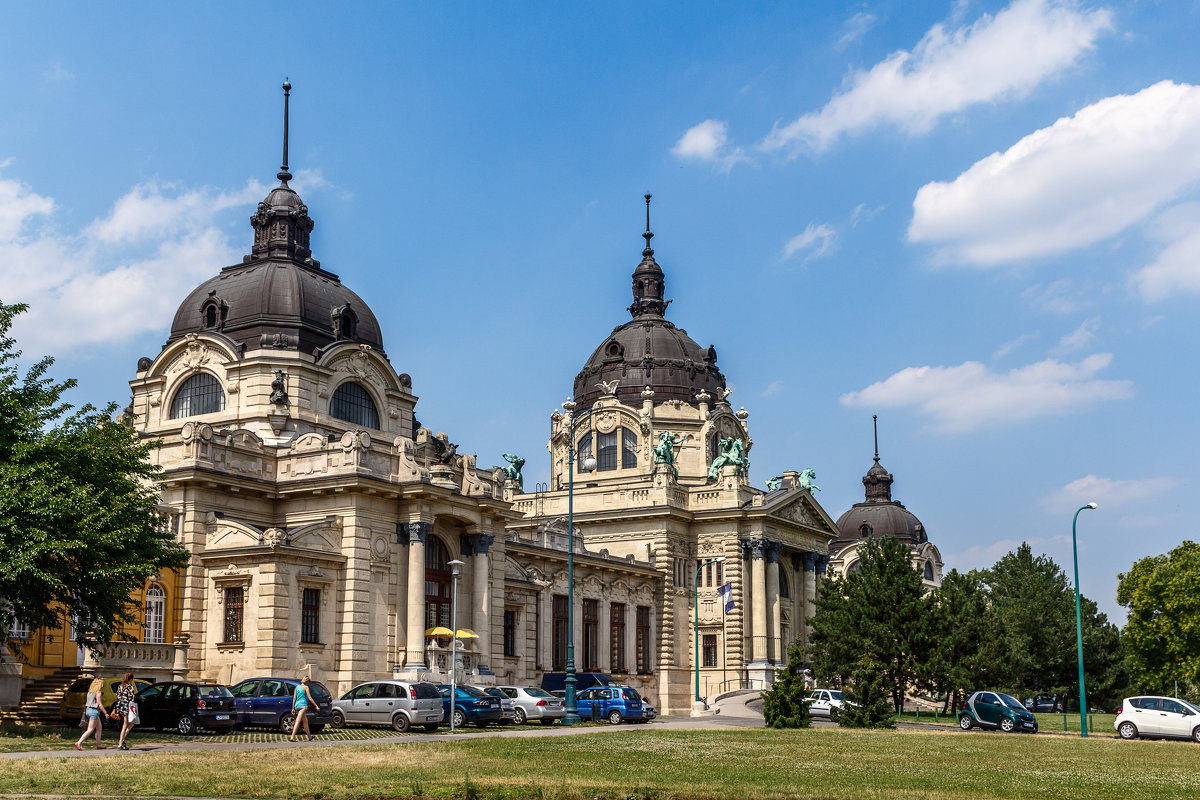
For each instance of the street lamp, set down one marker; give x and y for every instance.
(589, 464)
(1079, 626)
(454, 565)
(696, 619)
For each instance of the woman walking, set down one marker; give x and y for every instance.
(301, 700)
(93, 712)
(125, 694)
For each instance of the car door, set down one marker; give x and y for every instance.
(583, 702)
(360, 704)
(1175, 719)
(274, 700)
(242, 695)
(987, 708)
(148, 705)
(820, 702)
(383, 704)
(1147, 717)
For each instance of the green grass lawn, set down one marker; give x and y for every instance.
(24, 738)
(667, 765)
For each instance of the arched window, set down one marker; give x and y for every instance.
(928, 570)
(200, 394)
(855, 567)
(606, 451)
(351, 403)
(583, 450)
(864, 530)
(437, 584)
(156, 606)
(629, 443)
(210, 316)
(785, 586)
(714, 447)
(345, 323)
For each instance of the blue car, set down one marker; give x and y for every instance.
(470, 705)
(613, 703)
(267, 703)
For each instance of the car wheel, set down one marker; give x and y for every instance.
(432, 728)
(186, 725)
(965, 722)
(833, 715)
(1007, 725)
(519, 716)
(614, 717)
(339, 720)
(1196, 734)
(1129, 731)
(460, 718)
(400, 723)
(287, 722)
(548, 722)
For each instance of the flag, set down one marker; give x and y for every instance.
(726, 593)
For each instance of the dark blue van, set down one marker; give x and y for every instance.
(613, 703)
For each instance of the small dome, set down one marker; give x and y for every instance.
(875, 520)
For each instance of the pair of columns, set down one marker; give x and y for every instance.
(475, 551)
(765, 603)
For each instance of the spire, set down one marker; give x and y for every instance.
(284, 175)
(875, 423)
(878, 481)
(648, 280)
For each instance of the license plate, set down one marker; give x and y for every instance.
(431, 719)
(220, 717)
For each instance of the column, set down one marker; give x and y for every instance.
(758, 599)
(810, 591)
(774, 653)
(416, 533)
(482, 616)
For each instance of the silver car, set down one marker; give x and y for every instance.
(400, 704)
(531, 703)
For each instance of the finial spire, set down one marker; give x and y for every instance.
(648, 235)
(284, 175)
(875, 422)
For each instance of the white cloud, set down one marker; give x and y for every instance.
(1106, 492)
(708, 141)
(1080, 337)
(952, 67)
(1177, 266)
(856, 27)
(817, 240)
(961, 398)
(19, 205)
(1060, 297)
(1008, 347)
(1082, 180)
(57, 72)
(982, 556)
(862, 213)
(772, 388)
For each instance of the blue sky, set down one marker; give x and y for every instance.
(979, 220)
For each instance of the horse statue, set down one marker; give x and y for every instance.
(664, 452)
(513, 471)
(731, 453)
(806, 480)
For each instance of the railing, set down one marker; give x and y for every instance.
(154, 658)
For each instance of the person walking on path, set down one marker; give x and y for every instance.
(301, 700)
(125, 694)
(94, 713)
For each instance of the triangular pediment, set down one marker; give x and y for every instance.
(797, 506)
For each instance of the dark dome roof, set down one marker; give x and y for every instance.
(649, 350)
(882, 516)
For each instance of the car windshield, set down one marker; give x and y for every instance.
(215, 691)
(320, 693)
(1011, 702)
(538, 693)
(836, 695)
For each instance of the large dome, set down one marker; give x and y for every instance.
(649, 350)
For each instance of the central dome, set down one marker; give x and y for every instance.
(649, 350)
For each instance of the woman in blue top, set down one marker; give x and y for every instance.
(301, 701)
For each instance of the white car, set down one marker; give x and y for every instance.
(1168, 717)
(826, 703)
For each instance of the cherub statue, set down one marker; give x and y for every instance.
(773, 483)
(664, 452)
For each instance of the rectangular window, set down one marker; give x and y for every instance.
(510, 633)
(708, 577)
(310, 617)
(591, 634)
(644, 645)
(720, 574)
(629, 442)
(606, 451)
(710, 649)
(559, 654)
(617, 635)
(235, 606)
(537, 635)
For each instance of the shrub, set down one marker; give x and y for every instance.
(785, 705)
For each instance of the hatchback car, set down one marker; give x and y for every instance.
(507, 707)
(75, 698)
(1168, 717)
(267, 702)
(1045, 703)
(400, 704)
(470, 705)
(996, 710)
(613, 703)
(556, 682)
(825, 703)
(187, 707)
(532, 703)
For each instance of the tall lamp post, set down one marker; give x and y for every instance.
(589, 464)
(696, 617)
(454, 565)
(1083, 732)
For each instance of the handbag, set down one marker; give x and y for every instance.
(83, 720)
(132, 716)
(114, 715)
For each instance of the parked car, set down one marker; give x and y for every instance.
(649, 712)
(532, 703)
(470, 705)
(507, 708)
(613, 703)
(400, 704)
(1046, 704)
(1166, 717)
(267, 702)
(187, 707)
(70, 709)
(556, 682)
(996, 710)
(826, 703)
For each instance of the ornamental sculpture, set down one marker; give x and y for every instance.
(731, 454)
(806, 480)
(664, 453)
(279, 394)
(513, 471)
(773, 483)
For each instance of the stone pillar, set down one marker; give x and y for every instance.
(415, 649)
(179, 664)
(758, 600)
(774, 639)
(810, 591)
(478, 544)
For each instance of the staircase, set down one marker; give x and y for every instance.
(40, 699)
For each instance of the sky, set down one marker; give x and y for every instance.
(978, 220)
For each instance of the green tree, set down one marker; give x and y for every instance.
(877, 610)
(958, 623)
(785, 705)
(1162, 635)
(867, 698)
(79, 531)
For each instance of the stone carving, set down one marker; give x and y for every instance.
(197, 353)
(513, 471)
(471, 486)
(799, 512)
(279, 394)
(664, 453)
(731, 453)
(724, 392)
(647, 393)
(606, 422)
(608, 387)
(274, 537)
(408, 468)
(806, 480)
(444, 451)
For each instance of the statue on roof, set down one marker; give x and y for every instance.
(806, 480)
(773, 483)
(664, 453)
(731, 454)
(513, 471)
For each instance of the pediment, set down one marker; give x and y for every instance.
(324, 535)
(799, 508)
(224, 534)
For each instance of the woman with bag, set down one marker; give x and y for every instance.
(125, 708)
(301, 700)
(92, 714)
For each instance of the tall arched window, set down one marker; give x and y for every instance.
(928, 570)
(352, 403)
(583, 450)
(629, 443)
(714, 447)
(785, 586)
(437, 584)
(200, 394)
(156, 607)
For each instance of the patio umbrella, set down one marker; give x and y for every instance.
(466, 633)
(439, 631)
